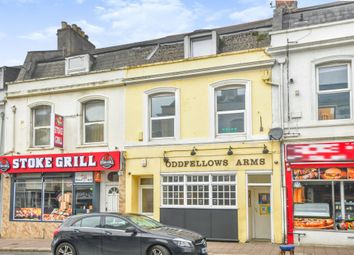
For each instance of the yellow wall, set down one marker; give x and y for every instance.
(195, 124)
(194, 94)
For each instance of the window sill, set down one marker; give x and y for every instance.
(323, 123)
(40, 148)
(91, 145)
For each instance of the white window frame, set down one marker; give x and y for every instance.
(32, 128)
(210, 183)
(189, 39)
(247, 112)
(334, 91)
(147, 113)
(84, 68)
(81, 110)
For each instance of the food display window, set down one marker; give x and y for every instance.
(49, 197)
(323, 198)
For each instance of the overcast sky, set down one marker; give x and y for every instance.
(30, 25)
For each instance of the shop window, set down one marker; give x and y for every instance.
(162, 115)
(41, 125)
(323, 199)
(47, 197)
(28, 199)
(334, 92)
(94, 121)
(202, 190)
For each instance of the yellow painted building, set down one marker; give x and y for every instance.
(198, 153)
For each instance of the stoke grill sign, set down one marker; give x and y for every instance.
(69, 162)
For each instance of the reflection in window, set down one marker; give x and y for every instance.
(57, 199)
(28, 200)
(333, 92)
(230, 110)
(91, 222)
(41, 121)
(112, 222)
(162, 115)
(94, 121)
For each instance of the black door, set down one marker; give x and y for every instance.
(116, 240)
(83, 199)
(87, 235)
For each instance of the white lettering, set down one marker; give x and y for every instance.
(59, 162)
(39, 163)
(15, 163)
(23, 162)
(31, 163)
(91, 161)
(76, 161)
(67, 162)
(48, 162)
(82, 161)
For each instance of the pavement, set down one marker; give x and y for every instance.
(42, 246)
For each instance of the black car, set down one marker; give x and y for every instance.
(123, 234)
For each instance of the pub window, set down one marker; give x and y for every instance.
(230, 110)
(93, 121)
(333, 92)
(199, 190)
(162, 115)
(41, 125)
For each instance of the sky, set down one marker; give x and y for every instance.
(31, 25)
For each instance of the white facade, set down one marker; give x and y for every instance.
(301, 53)
(66, 96)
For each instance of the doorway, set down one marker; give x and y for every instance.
(146, 196)
(259, 197)
(112, 198)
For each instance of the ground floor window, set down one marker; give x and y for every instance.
(50, 197)
(199, 190)
(323, 199)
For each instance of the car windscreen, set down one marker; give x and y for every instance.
(144, 222)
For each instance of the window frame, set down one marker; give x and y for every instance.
(81, 110)
(32, 136)
(147, 134)
(188, 49)
(232, 83)
(86, 59)
(333, 91)
(210, 183)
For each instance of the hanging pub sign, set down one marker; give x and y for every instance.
(69, 162)
(58, 131)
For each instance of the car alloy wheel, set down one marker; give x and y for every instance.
(159, 250)
(65, 249)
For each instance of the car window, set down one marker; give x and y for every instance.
(91, 222)
(144, 221)
(112, 222)
(77, 224)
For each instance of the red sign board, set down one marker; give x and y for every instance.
(320, 152)
(69, 162)
(58, 131)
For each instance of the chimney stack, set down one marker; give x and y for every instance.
(72, 40)
(286, 4)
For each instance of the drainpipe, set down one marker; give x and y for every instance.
(13, 108)
(282, 62)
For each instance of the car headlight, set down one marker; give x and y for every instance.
(183, 243)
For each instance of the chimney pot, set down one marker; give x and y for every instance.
(75, 27)
(286, 4)
(64, 25)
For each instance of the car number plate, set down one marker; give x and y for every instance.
(204, 250)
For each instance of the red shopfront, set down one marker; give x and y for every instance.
(320, 193)
(51, 187)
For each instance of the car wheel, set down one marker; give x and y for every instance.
(65, 249)
(159, 250)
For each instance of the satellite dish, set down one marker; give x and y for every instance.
(275, 133)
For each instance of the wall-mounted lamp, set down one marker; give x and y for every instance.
(230, 152)
(194, 151)
(265, 149)
(165, 158)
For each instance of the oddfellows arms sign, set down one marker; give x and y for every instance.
(70, 162)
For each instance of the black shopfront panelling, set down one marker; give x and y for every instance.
(215, 224)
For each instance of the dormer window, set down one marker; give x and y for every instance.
(2, 82)
(200, 45)
(77, 64)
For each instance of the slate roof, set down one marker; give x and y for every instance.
(45, 64)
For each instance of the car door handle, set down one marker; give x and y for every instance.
(108, 233)
(76, 231)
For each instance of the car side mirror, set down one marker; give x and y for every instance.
(131, 230)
